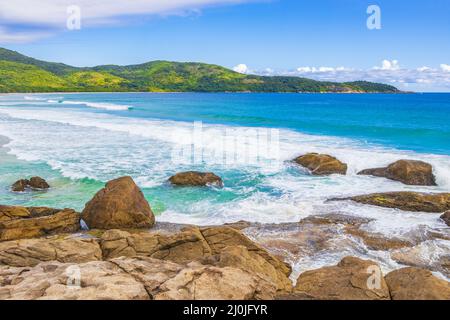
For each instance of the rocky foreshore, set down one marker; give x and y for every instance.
(44, 254)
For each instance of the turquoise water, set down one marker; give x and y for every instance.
(79, 141)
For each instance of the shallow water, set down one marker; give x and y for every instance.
(79, 141)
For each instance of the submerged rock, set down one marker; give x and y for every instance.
(21, 222)
(409, 172)
(33, 183)
(321, 164)
(446, 217)
(195, 178)
(121, 204)
(416, 284)
(348, 280)
(405, 200)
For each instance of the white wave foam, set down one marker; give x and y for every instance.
(100, 105)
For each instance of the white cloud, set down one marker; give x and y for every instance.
(241, 68)
(320, 69)
(53, 14)
(419, 79)
(445, 67)
(388, 65)
(423, 69)
(7, 36)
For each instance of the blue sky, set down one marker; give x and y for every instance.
(322, 39)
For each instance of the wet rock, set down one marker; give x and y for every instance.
(33, 183)
(195, 178)
(431, 255)
(348, 280)
(21, 222)
(409, 172)
(416, 284)
(30, 252)
(377, 241)
(446, 217)
(121, 204)
(321, 164)
(408, 201)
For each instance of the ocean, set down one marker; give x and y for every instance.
(77, 142)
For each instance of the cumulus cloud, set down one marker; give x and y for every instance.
(53, 14)
(423, 78)
(388, 65)
(445, 67)
(241, 68)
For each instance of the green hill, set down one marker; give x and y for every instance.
(19, 73)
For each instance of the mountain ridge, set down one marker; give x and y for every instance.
(20, 73)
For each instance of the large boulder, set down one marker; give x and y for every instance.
(321, 164)
(409, 172)
(121, 204)
(405, 200)
(33, 183)
(348, 280)
(218, 246)
(446, 217)
(416, 284)
(21, 222)
(195, 178)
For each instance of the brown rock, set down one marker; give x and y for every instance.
(409, 172)
(409, 201)
(349, 280)
(121, 204)
(33, 183)
(240, 257)
(446, 217)
(376, 241)
(321, 164)
(16, 223)
(20, 185)
(212, 283)
(195, 178)
(416, 284)
(38, 183)
(96, 280)
(30, 252)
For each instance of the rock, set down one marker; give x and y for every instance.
(416, 284)
(180, 247)
(33, 183)
(446, 217)
(30, 252)
(321, 164)
(38, 183)
(121, 204)
(212, 283)
(20, 222)
(96, 280)
(431, 255)
(219, 246)
(349, 280)
(138, 278)
(406, 200)
(240, 257)
(20, 185)
(376, 241)
(409, 172)
(195, 178)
